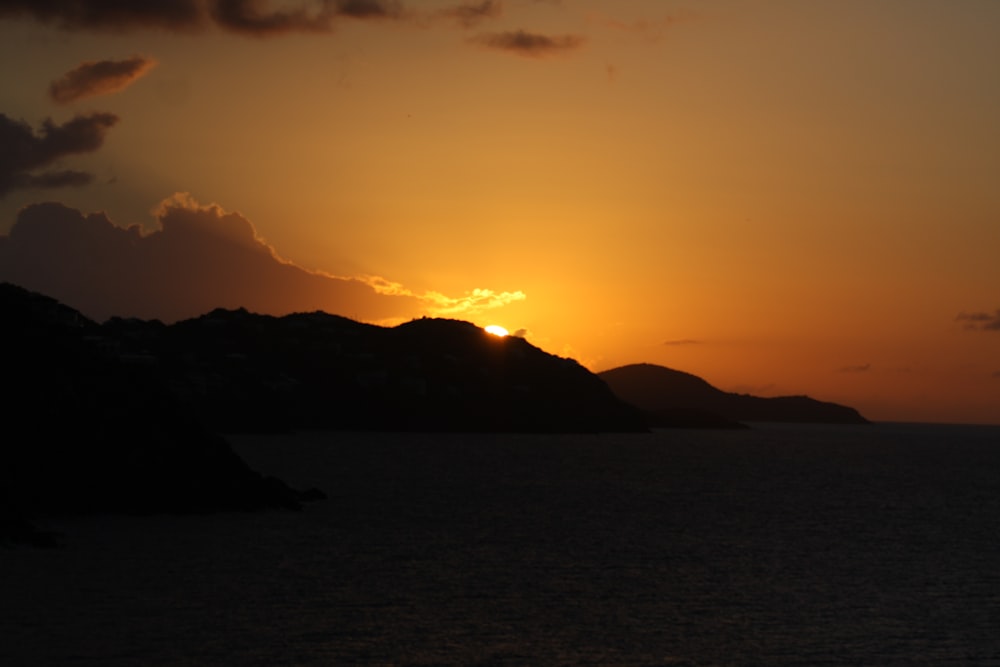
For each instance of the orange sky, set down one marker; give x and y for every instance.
(782, 197)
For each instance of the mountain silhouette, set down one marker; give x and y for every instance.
(670, 397)
(124, 416)
(242, 371)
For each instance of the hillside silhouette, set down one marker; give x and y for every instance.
(242, 371)
(674, 398)
(87, 431)
(124, 416)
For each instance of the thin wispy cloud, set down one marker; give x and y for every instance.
(25, 151)
(471, 14)
(682, 341)
(860, 368)
(980, 321)
(101, 77)
(531, 45)
(475, 301)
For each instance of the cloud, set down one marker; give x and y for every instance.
(249, 16)
(862, 368)
(682, 341)
(475, 301)
(98, 78)
(201, 258)
(246, 16)
(108, 14)
(368, 9)
(471, 14)
(258, 18)
(529, 44)
(980, 321)
(996, 374)
(24, 151)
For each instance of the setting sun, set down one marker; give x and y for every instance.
(496, 330)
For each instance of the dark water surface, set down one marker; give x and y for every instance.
(784, 545)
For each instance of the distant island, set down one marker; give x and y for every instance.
(669, 397)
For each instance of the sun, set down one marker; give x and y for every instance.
(496, 330)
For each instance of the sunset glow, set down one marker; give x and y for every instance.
(781, 197)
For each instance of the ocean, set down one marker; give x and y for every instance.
(779, 545)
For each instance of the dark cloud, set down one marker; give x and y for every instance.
(201, 258)
(24, 151)
(56, 179)
(470, 14)
(253, 17)
(980, 321)
(98, 78)
(368, 9)
(248, 17)
(862, 368)
(108, 14)
(996, 374)
(529, 44)
(259, 18)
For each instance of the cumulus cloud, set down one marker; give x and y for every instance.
(528, 44)
(98, 78)
(471, 14)
(251, 17)
(24, 151)
(201, 257)
(980, 321)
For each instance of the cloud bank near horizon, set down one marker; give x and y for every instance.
(201, 258)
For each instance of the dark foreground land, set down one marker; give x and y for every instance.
(124, 416)
(781, 545)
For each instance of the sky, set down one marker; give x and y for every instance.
(781, 197)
